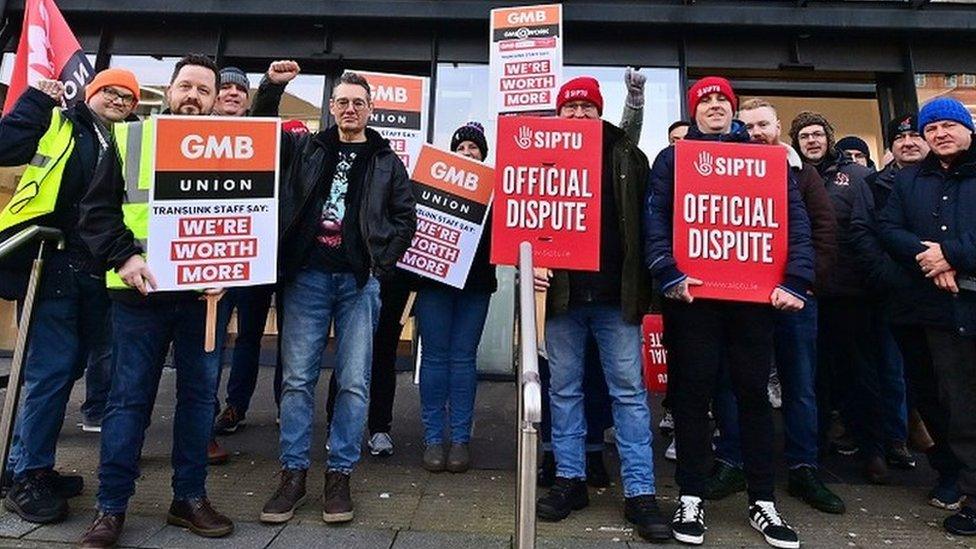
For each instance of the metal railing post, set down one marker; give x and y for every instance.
(529, 404)
(12, 397)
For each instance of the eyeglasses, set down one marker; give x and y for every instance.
(811, 135)
(583, 106)
(343, 103)
(112, 95)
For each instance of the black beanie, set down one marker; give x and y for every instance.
(473, 132)
(854, 143)
(900, 125)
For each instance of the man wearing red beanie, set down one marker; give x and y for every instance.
(70, 322)
(704, 335)
(608, 304)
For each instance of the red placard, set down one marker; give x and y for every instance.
(547, 191)
(730, 218)
(655, 355)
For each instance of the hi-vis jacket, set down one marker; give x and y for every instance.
(135, 148)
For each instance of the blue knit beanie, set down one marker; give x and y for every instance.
(945, 108)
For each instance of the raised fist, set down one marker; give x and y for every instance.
(634, 81)
(53, 88)
(282, 72)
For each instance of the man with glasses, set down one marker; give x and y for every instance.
(69, 328)
(609, 304)
(848, 339)
(346, 214)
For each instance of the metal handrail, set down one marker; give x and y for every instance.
(529, 403)
(12, 398)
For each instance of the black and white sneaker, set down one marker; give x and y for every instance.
(764, 517)
(688, 524)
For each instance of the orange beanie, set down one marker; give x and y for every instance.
(113, 77)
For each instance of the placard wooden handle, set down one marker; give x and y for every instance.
(210, 335)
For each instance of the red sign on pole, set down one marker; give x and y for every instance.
(547, 191)
(730, 218)
(655, 355)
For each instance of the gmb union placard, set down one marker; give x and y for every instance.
(547, 191)
(730, 218)
(400, 112)
(213, 208)
(453, 194)
(525, 58)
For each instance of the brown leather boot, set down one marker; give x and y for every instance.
(216, 454)
(288, 497)
(200, 517)
(337, 505)
(104, 531)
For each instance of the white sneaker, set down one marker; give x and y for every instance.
(380, 444)
(672, 452)
(775, 391)
(667, 424)
(610, 435)
(764, 517)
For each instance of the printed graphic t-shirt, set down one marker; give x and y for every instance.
(332, 253)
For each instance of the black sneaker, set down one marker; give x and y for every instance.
(65, 486)
(229, 421)
(546, 476)
(596, 472)
(688, 524)
(34, 499)
(724, 481)
(764, 517)
(898, 456)
(565, 496)
(806, 485)
(962, 523)
(643, 512)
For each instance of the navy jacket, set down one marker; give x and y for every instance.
(20, 132)
(930, 203)
(659, 213)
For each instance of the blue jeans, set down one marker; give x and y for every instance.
(891, 378)
(795, 341)
(620, 346)
(65, 331)
(311, 301)
(143, 334)
(98, 374)
(450, 323)
(596, 401)
(252, 305)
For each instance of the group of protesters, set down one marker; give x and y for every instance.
(867, 333)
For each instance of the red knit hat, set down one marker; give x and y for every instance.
(707, 85)
(582, 88)
(113, 77)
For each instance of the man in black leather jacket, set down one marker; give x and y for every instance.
(346, 215)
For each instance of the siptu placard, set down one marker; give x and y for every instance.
(526, 58)
(547, 191)
(213, 219)
(453, 194)
(730, 218)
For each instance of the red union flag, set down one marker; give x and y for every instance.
(730, 214)
(48, 50)
(547, 191)
(655, 355)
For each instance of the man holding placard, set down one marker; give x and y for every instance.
(702, 335)
(609, 303)
(115, 221)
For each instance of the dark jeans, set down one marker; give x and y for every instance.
(382, 389)
(848, 371)
(891, 379)
(795, 340)
(252, 305)
(66, 333)
(700, 338)
(954, 362)
(596, 400)
(98, 373)
(143, 334)
(923, 395)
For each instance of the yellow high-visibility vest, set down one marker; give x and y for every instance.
(135, 144)
(37, 191)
